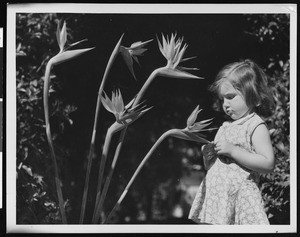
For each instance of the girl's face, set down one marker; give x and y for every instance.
(233, 102)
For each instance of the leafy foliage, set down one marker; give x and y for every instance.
(272, 32)
(36, 197)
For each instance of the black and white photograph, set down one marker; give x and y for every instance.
(151, 118)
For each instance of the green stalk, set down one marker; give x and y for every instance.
(92, 145)
(49, 138)
(153, 148)
(99, 202)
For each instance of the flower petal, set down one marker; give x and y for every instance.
(205, 121)
(76, 43)
(138, 51)
(130, 103)
(171, 48)
(161, 47)
(178, 57)
(165, 47)
(197, 127)
(58, 34)
(107, 103)
(128, 60)
(63, 36)
(193, 116)
(131, 117)
(186, 59)
(187, 68)
(139, 44)
(119, 102)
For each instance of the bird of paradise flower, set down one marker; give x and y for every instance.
(125, 115)
(173, 50)
(63, 55)
(192, 132)
(136, 49)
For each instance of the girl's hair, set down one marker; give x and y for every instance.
(251, 81)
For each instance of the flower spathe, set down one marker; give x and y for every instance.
(192, 130)
(173, 50)
(123, 114)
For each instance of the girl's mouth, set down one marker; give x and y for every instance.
(229, 112)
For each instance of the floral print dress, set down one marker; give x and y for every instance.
(229, 195)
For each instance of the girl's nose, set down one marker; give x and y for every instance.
(225, 103)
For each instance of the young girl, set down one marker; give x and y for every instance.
(242, 149)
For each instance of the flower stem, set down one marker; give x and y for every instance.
(121, 139)
(102, 165)
(92, 145)
(153, 148)
(146, 85)
(49, 138)
(99, 204)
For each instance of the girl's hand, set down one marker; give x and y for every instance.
(224, 148)
(208, 151)
(209, 154)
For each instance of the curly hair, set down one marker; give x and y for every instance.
(251, 81)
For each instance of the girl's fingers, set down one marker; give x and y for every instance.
(202, 148)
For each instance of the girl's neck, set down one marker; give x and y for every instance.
(246, 116)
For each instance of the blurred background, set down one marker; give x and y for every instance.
(165, 188)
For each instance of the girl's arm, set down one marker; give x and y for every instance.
(262, 161)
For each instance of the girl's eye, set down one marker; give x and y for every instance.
(230, 97)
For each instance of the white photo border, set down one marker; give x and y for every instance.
(13, 9)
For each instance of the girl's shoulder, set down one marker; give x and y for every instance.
(254, 122)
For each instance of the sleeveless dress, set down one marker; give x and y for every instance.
(229, 194)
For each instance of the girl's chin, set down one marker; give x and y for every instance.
(236, 117)
(233, 116)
